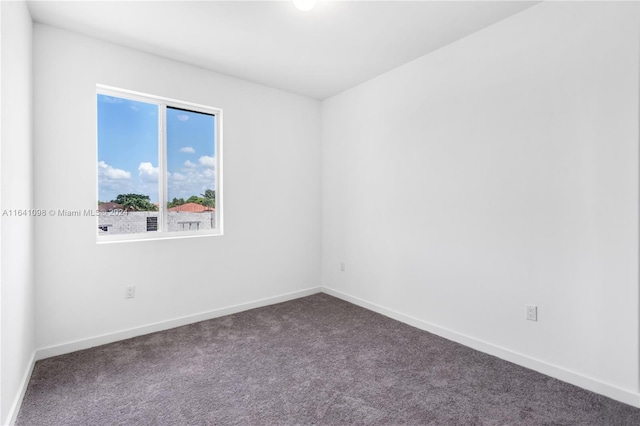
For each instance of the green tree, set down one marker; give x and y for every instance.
(209, 198)
(175, 202)
(195, 199)
(135, 202)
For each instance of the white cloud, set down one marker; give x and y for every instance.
(112, 181)
(188, 150)
(189, 164)
(183, 117)
(147, 172)
(110, 172)
(207, 161)
(191, 181)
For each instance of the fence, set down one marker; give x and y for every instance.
(142, 222)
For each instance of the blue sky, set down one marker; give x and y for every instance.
(128, 150)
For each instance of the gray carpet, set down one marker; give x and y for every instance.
(315, 360)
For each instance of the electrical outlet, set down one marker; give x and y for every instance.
(532, 312)
(342, 267)
(131, 292)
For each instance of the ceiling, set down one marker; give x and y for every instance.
(335, 46)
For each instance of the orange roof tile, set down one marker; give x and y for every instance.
(192, 208)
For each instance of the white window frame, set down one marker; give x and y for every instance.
(162, 233)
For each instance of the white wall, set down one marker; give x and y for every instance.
(17, 298)
(499, 171)
(272, 212)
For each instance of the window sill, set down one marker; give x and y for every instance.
(132, 238)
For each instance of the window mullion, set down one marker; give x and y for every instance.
(162, 168)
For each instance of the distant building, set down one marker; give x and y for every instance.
(192, 208)
(109, 207)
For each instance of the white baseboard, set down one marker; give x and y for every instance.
(17, 402)
(577, 379)
(591, 384)
(166, 325)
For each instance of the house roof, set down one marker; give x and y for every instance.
(192, 208)
(110, 206)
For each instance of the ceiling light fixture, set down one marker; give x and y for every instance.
(304, 5)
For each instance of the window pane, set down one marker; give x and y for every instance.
(191, 166)
(127, 166)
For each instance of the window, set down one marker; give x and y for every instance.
(159, 167)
